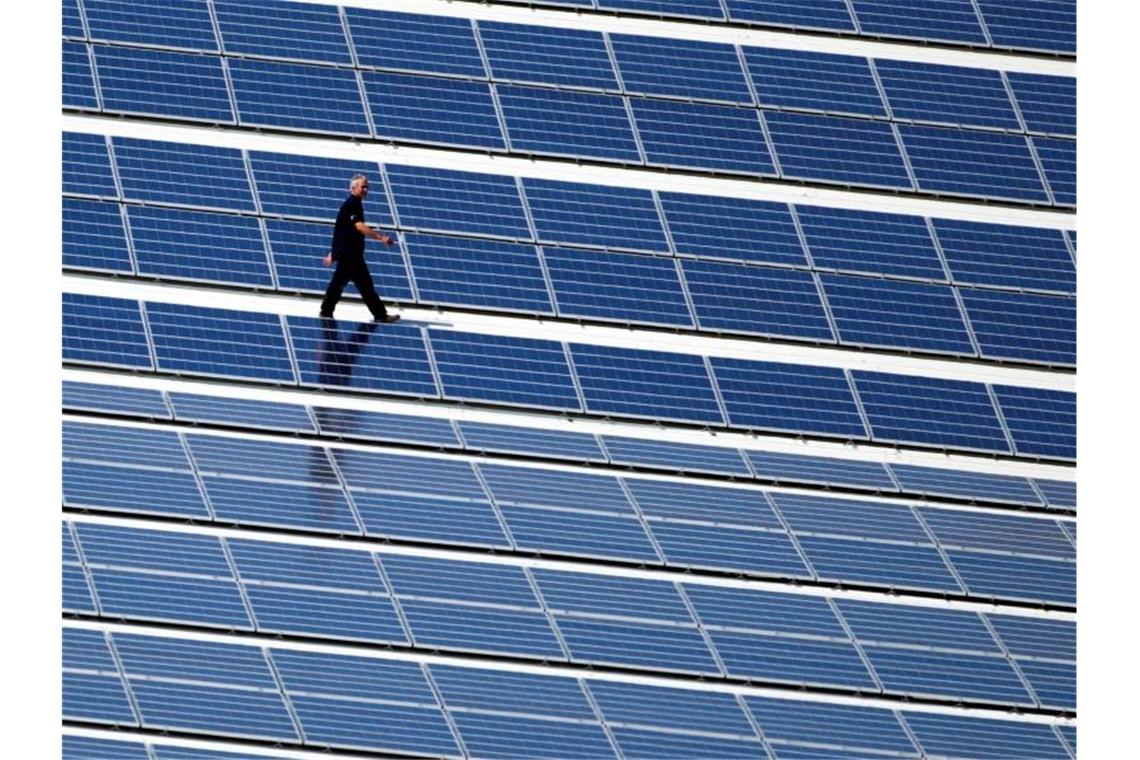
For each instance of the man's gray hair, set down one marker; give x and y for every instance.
(356, 178)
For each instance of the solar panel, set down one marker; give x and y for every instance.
(199, 246)
(104, 331)
(1031, 579)
(94, 238)
(930, 411)
(481, 273)
(825, 470)
(892, 313)
(167, 23)
(87, 166)
(72, 23)
(375, 725)
(1006, 256)
(681, 709)
(537, 487)
(597, 215)
(438, 111)
(121, 445)
(809, 14)
(869, 242)
(665, 500)
(297, 248)
(965, 162)
(192, 707)
(814, 81)
(732, 228)
(820, 515)
(239, 412)
(339, 354)
(183, 174)
(78, 79)
(1035, 637)
(945, 20)
(1023, 325)
(680, 68)
(163, 83)
(493, 735)
(918, 673)
(268, 459)
(309, 187)
(701, 136)
(1049, 26)
(946, 94)
(837, 150)
(708, 9)
(677, 457)
(97, 699)
(902, 625)
(88, 748)
(136, 402)
(501, 369)
(834, 725)
(788, 397)
(417, 475)
(980, 486)
(643, 383)
(1041, 422)
(578, 447)
(524, 53)
(1058, 493)
(297, 96)
(999, 533)
(624, 287)
(1059, 159)
(759, 300)
(579, 533)
(1054, 683)
(448, 521)
(984, 738)
(636, 742)
(791, 660)
(721, 547)
(748, 609)
(450, 201)
(1047, 103)
(357, 423)
(566, 123)
(276, 29)
(433, 44)
(219, 342)
(184, 753)
(653, 646)
(88, 485)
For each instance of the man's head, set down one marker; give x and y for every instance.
(359, 186)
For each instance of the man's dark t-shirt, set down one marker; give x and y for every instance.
(347, 241)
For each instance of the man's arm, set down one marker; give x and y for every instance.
(364, 229)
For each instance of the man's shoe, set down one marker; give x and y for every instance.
(322, 315)
(388, 318)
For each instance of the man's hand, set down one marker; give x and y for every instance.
(385, 239)
(327, 260)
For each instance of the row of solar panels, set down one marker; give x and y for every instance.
(322, 700)
(608, 62)
(580, 448)
(582, 618)
(530, 120)
(430, 363)
(517, 508)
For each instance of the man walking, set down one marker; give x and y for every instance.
(347, 250)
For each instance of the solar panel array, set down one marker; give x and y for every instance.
(269, 560)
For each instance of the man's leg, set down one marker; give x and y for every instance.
(362, 278)
(341, 275)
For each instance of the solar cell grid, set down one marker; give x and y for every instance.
(296, 248)
(636, 704)
(266, 415)
(728, 548)
(123, 445)
(706, 9)
(1059, 159)
(567, 123)
(261, 562)
(87, 650)
(1049, 25)
(522, 53)
(275, 29)
(809, 14)
(432, 44)
(72, 23)
(751, 610)
(839, 84)
(235, 712)
(94, 237)
(643, 743)
(796, 467)
(685, 501)
(538, 487)
(934, 481)
(104, 331)
(87, 166)
(437, 111)
(1047, 103)
(119, 489)
(504, 691)
(356, 423)
(802, 662)
(78, 79)
(837, 150)
(183, 753)
(491, 274)
(306, 186)
(702, 136)
(609, 217)
(192, 86)
(679, 649)
(375, 726)
(945, 20)
(957, 676)
(1054, 683)
(297, 96)
(1042, 422)
(579, 533)
(1023, 325)
(269, 459)
(87, 748)
(732, 228)
(1035, 637)
(946, 94)
(177, 173)
(833, 725)
(96, 698)
(680, 68)
(1059, 494)
(1006, 256)
(451, 201)
(823, 515)
(487, 735)
(447, 521)
(869, 242)
(166, 23)
(199, 246)
(480, 436)
(585, 594)
(982, 738)
(678, 457)
(397, 473)
(967, 162)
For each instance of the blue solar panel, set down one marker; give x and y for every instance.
(482, 629)
(579, 447)
(192, 175)
(945, 20)
(1042, 422)
(276, 29)
(653, 646)
(264, 415)
(839, 472)
(567, 123)
(199, 246)
(1036, 637)
(468, 523)
(981, 486)
(298, 97)
(665, 500)
(78, 79)
(426, 109)
(788, 397)
(1058, 493)
(500, 369)
(1023, 325)
(152, 550)
(910, 315)
(792, 660)
(219, 342)
(484, 273)
(956, 676)
(163, 83)
(434, 44)
(682, 709)
(400, 728)
(183, 753)
(451, 201)
(964, 162)
(1030, 579)
(433, 578)
(845, 517)
(87, 650)
(136, 402)
(268, 459)
(1049, 25)
(814, 81)
(902, 625)
(610, 217)
(678, 457)
(893, 565)
(982, 738)
(338, 676)
(311, 187)
(465, 689)
(581, 534)
(708, 9)
(759, 300)
(636, 742)
(1047, 103)
(168, 23)
(93, 237)
(145, 596)
(700, 136)
(356, 423)
(1059, 159)
(547, 55)
(931, 411)
(96, 698)
(680, 68)
(721, 547)
(216, 709)
(445, 478)
(87, 166)
(1006, 256)
(819, 723)
(106, 331)
(869, 242)
(316, 507)
(765, 612)
(72, 23)
(129, 446)
(999, 533)
(297, 247)
(946, 94)
(624, 287)
(492, 735)
(1054, 683)
(811, 14)
(99, 486)
(572, 490)
(732, 228)
(358, 355)
(87, 748)
(834, 149)
(651, 384)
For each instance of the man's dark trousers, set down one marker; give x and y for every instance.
(352, 268)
